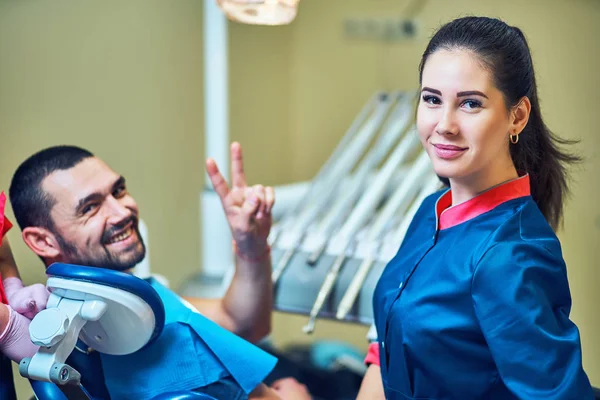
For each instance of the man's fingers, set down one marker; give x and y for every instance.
(269, 199)
(236, 197)
(219, 183)
(238, 177)
(250, 205)
(260, 193)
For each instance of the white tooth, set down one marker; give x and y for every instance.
(122, 236)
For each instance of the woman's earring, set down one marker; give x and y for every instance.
(514, 139)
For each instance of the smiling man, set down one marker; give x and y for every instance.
(112, 242)
(73, 208)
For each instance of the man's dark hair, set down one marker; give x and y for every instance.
(30, 203)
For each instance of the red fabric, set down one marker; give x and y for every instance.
(5, 224)
(3, 298)
(373, 354)
(451, 216)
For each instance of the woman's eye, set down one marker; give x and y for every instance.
(471, 104)
(429, 99)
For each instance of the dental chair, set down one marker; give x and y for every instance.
(108, 311)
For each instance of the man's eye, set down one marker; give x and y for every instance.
(120, 191)
(89, 208)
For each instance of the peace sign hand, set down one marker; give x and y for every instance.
(248, 209)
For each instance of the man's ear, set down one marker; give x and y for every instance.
(41, 241)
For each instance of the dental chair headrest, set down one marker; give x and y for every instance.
(135, 314)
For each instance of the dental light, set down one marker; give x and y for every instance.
(260, 12)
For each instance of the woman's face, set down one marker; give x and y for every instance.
(462, 119)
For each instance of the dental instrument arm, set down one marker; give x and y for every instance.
(364, 209)
(397, 204)
(387, 140)
(288, 219)
(326, 188)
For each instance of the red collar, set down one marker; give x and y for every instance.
(448, 216)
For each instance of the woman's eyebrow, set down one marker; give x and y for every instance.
(471, 93)
(435, 91)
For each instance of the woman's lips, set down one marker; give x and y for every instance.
(448, 152)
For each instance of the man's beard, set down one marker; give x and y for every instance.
(106, 260)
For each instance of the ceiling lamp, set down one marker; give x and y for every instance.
(260, 12)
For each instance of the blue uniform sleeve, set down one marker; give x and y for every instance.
(522, 301)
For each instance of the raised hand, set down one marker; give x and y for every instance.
(248, 209)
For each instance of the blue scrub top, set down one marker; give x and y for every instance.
(7, 387)
(480, 308)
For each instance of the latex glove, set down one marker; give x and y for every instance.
(248, 209)
(291, 389)
(28, 300)
(14, 339)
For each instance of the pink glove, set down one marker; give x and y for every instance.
(14, 341)
(28, 300)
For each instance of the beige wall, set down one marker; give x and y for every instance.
(124, 78)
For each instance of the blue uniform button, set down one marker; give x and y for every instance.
(400, 286)
(383, 345)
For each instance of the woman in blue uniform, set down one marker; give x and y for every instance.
(476, 303)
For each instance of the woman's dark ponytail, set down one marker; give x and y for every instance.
(504, 51)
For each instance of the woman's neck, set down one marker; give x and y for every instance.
(464, 189)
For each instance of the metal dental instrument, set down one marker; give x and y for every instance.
(406, 146)
(342, 167)
(396, 205)
(394, 129)
(365, 207)
(325, 169)
(432, 184)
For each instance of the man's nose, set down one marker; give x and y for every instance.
(118, 210)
